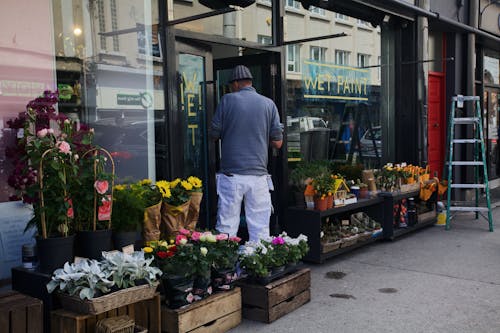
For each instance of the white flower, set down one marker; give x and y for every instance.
(321, 234)
(203, 251)
(183, 241)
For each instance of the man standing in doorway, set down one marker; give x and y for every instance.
(246, 123)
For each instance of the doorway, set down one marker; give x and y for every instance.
(436, 123)
(202, 80)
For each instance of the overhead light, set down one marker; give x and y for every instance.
(77, 31)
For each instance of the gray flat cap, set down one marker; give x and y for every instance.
(240, 72)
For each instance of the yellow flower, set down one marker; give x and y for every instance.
(164, 188)
(120, 187)
(195, 181)
(163, 243)
(145, 182)
(147, 249)
(188, 186)
(175, 182)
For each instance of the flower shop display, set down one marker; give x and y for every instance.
(176, 204)
(91, 286)
(135, 206)
(46, 162)
(267, 259)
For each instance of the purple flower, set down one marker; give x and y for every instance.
(278, 241)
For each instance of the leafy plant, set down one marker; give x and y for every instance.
(176, 192)
(173, 259)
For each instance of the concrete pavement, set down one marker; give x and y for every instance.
(428, 281)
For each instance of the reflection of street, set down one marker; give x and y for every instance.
(127, 141)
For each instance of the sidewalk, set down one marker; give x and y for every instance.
(429, 281)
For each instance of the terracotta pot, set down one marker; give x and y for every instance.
(329, 201)
(320, 204)
(363, 193)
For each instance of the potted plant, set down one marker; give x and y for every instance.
(176, 197)
(323, 188)
(122, 278)
(127, 214)
(93, 189)
(46, 160)
(178, 264)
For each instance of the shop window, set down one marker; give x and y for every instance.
(318, 53)
(364, 24)
(342, 57)
(341, 17)
(293, 58)
(363, 60)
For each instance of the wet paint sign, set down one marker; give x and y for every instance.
(329, 81)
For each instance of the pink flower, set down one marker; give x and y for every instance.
(278, 241)
(64, 147)
(42, 133)
(101, 186)
(180, 240)
(50, 131)
(184, 232)
(235, 239)
(221, 237)
(195, 236)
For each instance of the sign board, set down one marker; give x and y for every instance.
(325, 81)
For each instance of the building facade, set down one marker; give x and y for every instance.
(355, 81)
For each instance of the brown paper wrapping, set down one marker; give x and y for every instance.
(173, 218)
(194, 210)
(151, 224)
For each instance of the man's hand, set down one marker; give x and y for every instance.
(277, 144)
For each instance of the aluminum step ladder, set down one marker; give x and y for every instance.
(478, 162)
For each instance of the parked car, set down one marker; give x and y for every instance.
(371, 142)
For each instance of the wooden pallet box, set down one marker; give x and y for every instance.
(145, 313)
(276, 299)
(20, 313)
(217, 313)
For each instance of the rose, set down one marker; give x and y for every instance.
(162, 254)
(221, 237)
(147, 249)
(235, 239)
(184, 232)
(180, 240)
(195, 236)
(101, 186)
(278, 241)
(42, 133)
(64, 147)
(203, 251)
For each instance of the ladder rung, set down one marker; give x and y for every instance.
(466, 163)
(468, 120)
(466, 140)
(469, 209)
(468, 186)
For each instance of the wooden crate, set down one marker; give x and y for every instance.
(145, 313)
(217, 313)
(270, 302)
(20, 313)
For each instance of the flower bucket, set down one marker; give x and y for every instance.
(54, 252)
(178, 290)
(202, 286)
(173, 218)
(320, 204)
(123, 238)
(151, 224)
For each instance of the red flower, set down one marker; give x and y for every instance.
(170, 254)
(162, 254)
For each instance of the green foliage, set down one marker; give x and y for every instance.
(304, 170)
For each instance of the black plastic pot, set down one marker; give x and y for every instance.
(223, 279)
(123, 238)
(202, 286)
(177, 290)
(54, 252)
(90, 244)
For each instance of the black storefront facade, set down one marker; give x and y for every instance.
(147, 76)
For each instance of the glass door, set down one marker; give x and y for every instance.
(194, 80)
(491, 120)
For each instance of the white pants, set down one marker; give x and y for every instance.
(254, 190)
